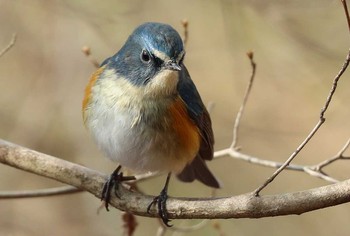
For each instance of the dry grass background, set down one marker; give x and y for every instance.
(299, 47)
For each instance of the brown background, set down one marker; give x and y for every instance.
(299, 47)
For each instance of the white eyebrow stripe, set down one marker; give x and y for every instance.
(164, 57)
(160, 55)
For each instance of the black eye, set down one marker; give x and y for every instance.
(145, 57)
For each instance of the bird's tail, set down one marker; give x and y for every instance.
(199, 170)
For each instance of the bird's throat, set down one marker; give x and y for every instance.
(163, 84)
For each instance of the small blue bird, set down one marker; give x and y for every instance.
(145, 113)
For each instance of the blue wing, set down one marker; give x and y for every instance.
(199, 114)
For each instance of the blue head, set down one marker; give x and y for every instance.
(149, 50)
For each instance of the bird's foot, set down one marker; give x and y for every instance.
(161, 205)
(114, 180)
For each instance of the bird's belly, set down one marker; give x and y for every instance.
(132, 142)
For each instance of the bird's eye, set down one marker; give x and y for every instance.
(145, 57)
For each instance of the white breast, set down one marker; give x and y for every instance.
(120, 128)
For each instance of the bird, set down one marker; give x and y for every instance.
(145, 113)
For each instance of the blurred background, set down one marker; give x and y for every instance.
(299, 47)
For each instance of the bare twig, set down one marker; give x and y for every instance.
(39, 193)
(87, 52)
(319, 174)
(142, 177)
(254, 160)
(245, 99)
(184, 23)
(346, 13)
(338, 156)
(9, 46)
(64, 190)
(322, 119)
(273, 164)
(233, 150)
(289, 160)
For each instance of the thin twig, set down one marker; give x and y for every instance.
(87, 52)
(39, 193)
(64, 190)
(246, 96)
(289, 160)
(10, 45)
(346, 13)
(321, 119)
(320, 174)
(142, 177)
(254, 160)
(314, 130)
(338, 156)
(233, 150)
(184, 23)
(273, 164)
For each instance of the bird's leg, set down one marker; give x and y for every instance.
(161, 203)
(113, 181)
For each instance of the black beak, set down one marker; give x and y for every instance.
(172, 65)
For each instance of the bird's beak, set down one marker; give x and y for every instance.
(172, 65)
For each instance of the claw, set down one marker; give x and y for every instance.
(113, 181)
(161, 204)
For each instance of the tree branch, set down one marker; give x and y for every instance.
(311, 170)
(87, 52)
(9, 46)
(245, 99)
(338, 156)
(184, 24)
(241, 206)
(39, 193)
(321, 120)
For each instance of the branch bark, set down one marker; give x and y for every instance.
(241, 206)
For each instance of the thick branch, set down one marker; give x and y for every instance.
(242, 206)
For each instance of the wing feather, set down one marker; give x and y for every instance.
(197, 169)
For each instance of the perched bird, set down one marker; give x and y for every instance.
(145, 113)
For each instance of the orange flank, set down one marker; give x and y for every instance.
(88, 88)
(185, 128)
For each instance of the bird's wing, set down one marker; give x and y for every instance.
(197, 169)
(197, 112)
